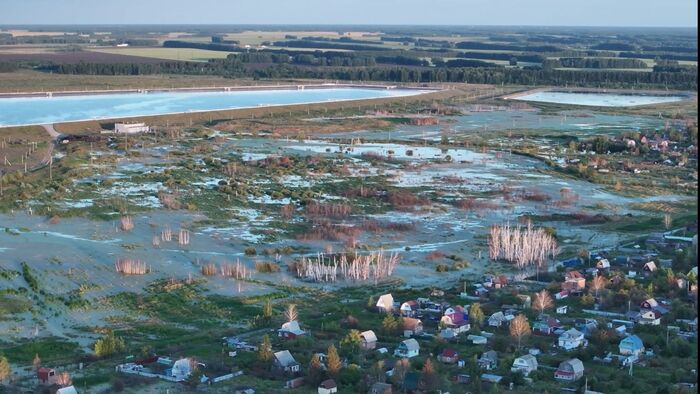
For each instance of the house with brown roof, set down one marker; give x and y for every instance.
(412, 326)
(47, 376)
(369, 340)
(448, 356)
(328, 386)
(574, 282)
(380, 388)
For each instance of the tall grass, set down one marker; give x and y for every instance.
(131, 267)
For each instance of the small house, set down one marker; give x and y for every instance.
(409, 308)
(369, 340)
(182, 369)
(524, 364)
(46, 376)
(602, 264)
(649, 303)
(294, 383)
(631, 346)
(488, 360)
(283, 361)
(562, 310)
(573, 262)
(448, 333)
(385, 303)
(477, 339)
(545, 326)
(481, 292)
(571, 339)
(490, 378)
(290, 330)
(67, 390)
(569, 370)
(649, 267)
(500, 282)
(412, 326)
(448, 356)
(574, 282)
(649, 317)
(437, 293)
(380, 388)
(456, 318)
(497, 319)
(561, 295)
(244, 390)
(408, 348)
(328, 386)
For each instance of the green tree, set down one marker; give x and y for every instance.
(36, 363)
(109, 345)
(4, 369)
(314, 375)
(476, 315)
(333, 362)
(267, 311)
(390, 325)
(351, 342)
(428, 376)
(265, 350)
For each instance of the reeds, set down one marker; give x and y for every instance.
(183, 237)
(236, 271)
(325, 230)
(168, 200)
(472, 204)
(209, 269)
(328, 210)
(126, 223)
(405, 200)
(375, 266)
(266, 267)
(287, 211)
(166, 234)
(131, 267)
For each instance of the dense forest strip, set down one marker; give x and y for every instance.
(483, 75)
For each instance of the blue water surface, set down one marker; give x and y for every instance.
(45, 110)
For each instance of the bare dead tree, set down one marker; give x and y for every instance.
(542, 301)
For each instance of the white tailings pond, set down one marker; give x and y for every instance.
(18, 111)
(598, 99)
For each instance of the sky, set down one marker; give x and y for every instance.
(657, 13)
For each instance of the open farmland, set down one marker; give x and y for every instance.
(180, 54)
(75, 57)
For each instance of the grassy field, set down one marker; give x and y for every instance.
(33, 81)
(181, 54)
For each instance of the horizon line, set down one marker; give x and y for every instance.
(347, 24)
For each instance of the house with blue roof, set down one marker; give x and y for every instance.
(631, 346)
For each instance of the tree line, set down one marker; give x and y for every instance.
(597, 63)
(233, 68)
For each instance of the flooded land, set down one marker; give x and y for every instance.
(429, 193)
(193, 229)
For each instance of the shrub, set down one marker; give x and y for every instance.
(442, 268)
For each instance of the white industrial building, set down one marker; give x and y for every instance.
(131, 128)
